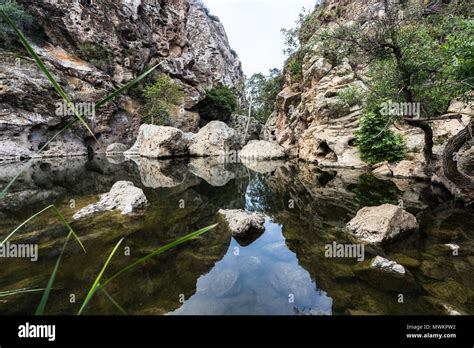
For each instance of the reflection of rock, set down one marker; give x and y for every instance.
(211, 170)
(116, 149)
(258, 150)
(385, 274)
(215, 139)
(262, 167)
(245, 227)
(123, 196)
(382, 223)
(159, 142)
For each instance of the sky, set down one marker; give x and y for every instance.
(253, 28)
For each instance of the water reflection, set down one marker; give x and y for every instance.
(282, 271)
(263, 278)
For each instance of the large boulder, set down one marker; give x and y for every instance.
(386, 275)
(159, 142)
(215, 139)
(409, 170)
(259, 150)
(330, 146)
(245, 227)
(116, 149)
(380, 224)
(123, 196)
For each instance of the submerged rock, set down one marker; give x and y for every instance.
(380, 224)
(440, 307)
(258, 150)
(123, 196)
(245, 227)
(215, 139)
(386, 275)
(449, 291)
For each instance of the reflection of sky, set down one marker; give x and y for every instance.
(260, 280)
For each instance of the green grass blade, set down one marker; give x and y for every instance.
(63, 220)
(111, 299)
(18, 291)
(95, 285)
(30, 161)
(23, 224)
(159, 251)
(61, 217)
(122, 89)
(45, 70)
(44, 299)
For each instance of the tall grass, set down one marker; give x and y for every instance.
(64, 96)
(97, 286)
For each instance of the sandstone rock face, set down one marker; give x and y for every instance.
(123, 196)
(258, 150)
(380, 224)
(240, 221)
(329, 146)
(214, 139)
(315, 121)
(94, 49)
(409, 169)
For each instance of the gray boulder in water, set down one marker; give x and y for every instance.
(123, 196)
(377, 225)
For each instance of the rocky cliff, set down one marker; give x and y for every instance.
(93, 47)
(312, 120)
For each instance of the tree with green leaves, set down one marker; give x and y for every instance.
(218, 105)
(18, 15)
(415, 54)
(161, 97)
(263, 90)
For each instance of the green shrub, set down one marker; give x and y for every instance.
(295, 65)
(161, 97)
(99, 56)
(377, 142)
(351, 96)
(219, 104)
(18, 15)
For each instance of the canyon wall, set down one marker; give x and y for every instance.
(92, 48)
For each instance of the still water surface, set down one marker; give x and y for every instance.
(281, 271)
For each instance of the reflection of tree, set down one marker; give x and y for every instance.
(370, 191)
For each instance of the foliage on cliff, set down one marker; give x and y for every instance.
(219, 104)
(161, 97)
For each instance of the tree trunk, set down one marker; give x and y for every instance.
(428, 135)
(450, 163)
